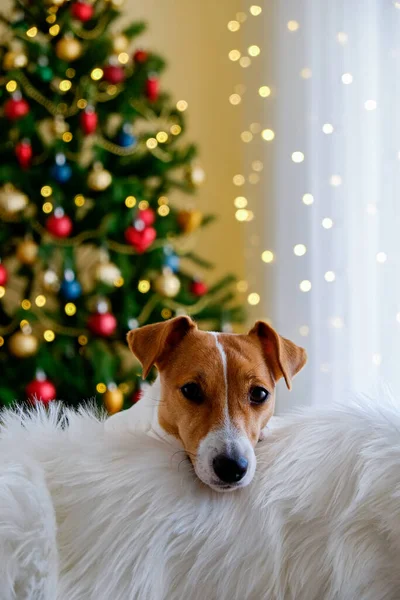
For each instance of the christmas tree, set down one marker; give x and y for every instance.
(91, 240)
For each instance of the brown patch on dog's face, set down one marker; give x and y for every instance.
(225, 368)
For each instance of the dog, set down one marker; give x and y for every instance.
(217, 391)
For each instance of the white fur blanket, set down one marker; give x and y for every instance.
(321, 521)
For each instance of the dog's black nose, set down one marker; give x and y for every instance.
(230, 469)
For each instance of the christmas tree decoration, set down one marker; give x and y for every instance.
(59, 224)
(147, 216)
(102, 324)
(140, 56)
(99, 179)
(70, 288)
(120, 43)
(82, 11)
(196, 175)
(125, 138)
(152, 87)
(12, 200)
(108, 273)
(189, 220)
(113, 74)
(61, 171)
(23, 345)
(14, 60)
(69, 48)
(172, 261)
(136, 396)
(140, 239)
(88, 120)
(16, 108)
(198, 288)
(3, 275)
(27, 252)
(43, 70)
(167, 284)
(113, 399)
(40, 390)
(23, 152)
(50, 281)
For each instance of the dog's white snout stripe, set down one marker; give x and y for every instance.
(224, 361)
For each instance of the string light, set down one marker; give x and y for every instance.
(305, 285)
(254, 178)
(297, 157)
(329, 276)
(82, 103)
(327, 223)
(335, 180)
(51, 19)
(267, 256)
(67, 136)
(242, 286)
(144, 286)
(47, 207)
(254, 50)
(300, 249)
(308, 199)
(11, 86)
(40, 300)
(240, 202)
(233, 25)
(306, 73)
(119, 282)
(111, 90)
(46, 191)
(130, 201)
(268, 135)
(54, 30)
(2, 291)
(1, 341)
(123, 58)
(293, 25)
(304, 330)
(101, 388)
(255, 10)
(245, 62)
(257, 165)
(242, 214)
(70, 72)
(381, 257)
(152, 143)
(253, 299)
(370, 105)
(181, 105)
(26, 305)
(82, 340)
(337, 322)
(235, 99)
(49, 335)
(327, 128)
(162, 137)
(65, 85)
(347, 78)
(143, 205)
(342, 38)
(238, 180)
(79, 200)
(163, 211)
(162, 200)
(166, 313)
(96, 74)
(70, 309)
(175, 129)
(234, 55)
(264, 91)
(246, 136)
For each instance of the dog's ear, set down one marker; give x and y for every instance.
(153, 342)
(283, 356)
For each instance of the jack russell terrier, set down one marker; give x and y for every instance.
(216, 392)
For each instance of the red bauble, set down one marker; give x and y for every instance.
(140, 240)
(198, 288)
(140, 56)
(60, 227)
(40, 391)
(102, 324)
(147, 216)
(16, 108)
(152, 88)
(136, 396)
(82, 11)
(88, 121)
(3, 275)
(23, 152)
(113, 74)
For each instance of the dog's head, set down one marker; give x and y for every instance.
(218, 391)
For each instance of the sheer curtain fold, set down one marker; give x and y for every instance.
(328, 206)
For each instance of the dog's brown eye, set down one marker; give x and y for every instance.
(192, 392)
(258, 395)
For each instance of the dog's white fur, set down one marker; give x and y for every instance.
(320, 521)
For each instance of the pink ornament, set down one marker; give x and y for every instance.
(140, 239)
(40, 391)
(102, 324)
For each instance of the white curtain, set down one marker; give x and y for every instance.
(331, 220)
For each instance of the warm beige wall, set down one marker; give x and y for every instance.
(193, 37)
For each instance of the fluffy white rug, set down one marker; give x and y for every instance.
(321, 521)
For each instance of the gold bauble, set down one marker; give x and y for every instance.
(68, 48)
(189, 220)
(27, 252)
(12, 200)
(99, 179)
(23, 345)
(113, 400)
(107, 273)
(120, 43)
(14, 60)
(167, 284)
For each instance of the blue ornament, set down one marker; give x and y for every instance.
(172, 261)
(61, 171)
(70, 288)
(126, 139)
